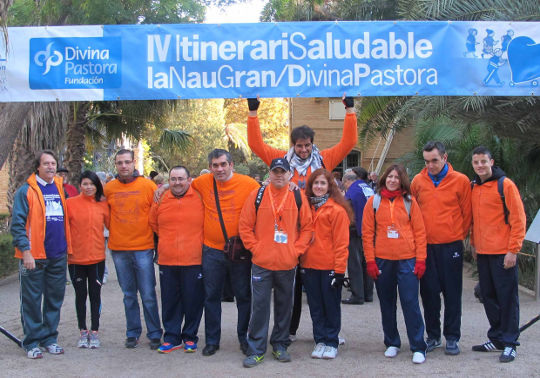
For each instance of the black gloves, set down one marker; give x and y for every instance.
(338, 280)
(348, 102)
(253, 103)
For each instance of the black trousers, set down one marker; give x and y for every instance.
(87, 281)
(297, 303)
(444, 274)
(361, 282)
(499, 288)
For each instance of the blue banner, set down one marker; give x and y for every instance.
(298, 59)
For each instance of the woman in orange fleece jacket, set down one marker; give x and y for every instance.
(394, 240)
(323, 265)
(88, 215)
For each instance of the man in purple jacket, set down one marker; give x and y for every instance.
(357, 192)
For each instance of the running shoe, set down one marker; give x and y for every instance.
(329, 353)
(83, 340)
(253, 360)
(34, 353)
(391, 352)
(508, 355)
(318, 351)
(54, 349)
(168, 347)
(93, 340)
(190, 347)
(418, 358)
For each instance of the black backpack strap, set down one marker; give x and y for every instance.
(218, 208)
(258, 198)
(298, 199)
(500, 188)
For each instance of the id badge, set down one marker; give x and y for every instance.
(280, 237)
(392, 232)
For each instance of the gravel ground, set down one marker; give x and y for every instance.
(362, 353)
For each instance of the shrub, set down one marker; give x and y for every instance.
(8, 264)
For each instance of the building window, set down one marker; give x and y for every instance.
(336, 110)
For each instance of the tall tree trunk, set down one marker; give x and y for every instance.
(75, 139)
(12, 117)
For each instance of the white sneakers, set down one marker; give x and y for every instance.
(391, 352)
(418, 358)
(318, 351)
(329, 353)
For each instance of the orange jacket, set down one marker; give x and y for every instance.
(446, 208)
(232, 195)
(412, 234)
(257, 229)
(331, 156)
(490, 234)
(130, 205)
(179, 224)
(28, 221)
(86, 221)
(328, 251)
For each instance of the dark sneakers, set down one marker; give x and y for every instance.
(210, 350)
(282, 355)
(253, 360)
(487, 347)
(432, 344)
(131, 342)
(155, 343)
(452, 348)
(508, 355)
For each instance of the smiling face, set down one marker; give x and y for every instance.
(47, 167)
(88, 188)
(179, 181)
(125, 165)
(482, 164)
(303, 148)
(320, 186)
(392, 181)
(221, 168)
(434, 161)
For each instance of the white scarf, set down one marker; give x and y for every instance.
(302, 165)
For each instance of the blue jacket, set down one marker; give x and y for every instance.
(358, 194)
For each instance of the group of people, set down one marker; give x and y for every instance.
(297, 230)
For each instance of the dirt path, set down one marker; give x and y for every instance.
(361, 355)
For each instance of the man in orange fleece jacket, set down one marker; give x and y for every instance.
(178, 219)
(444, 196)
(497, 235)
(42, 242)
(131, 241)
(276, 233)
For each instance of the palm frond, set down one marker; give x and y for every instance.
(175, 140)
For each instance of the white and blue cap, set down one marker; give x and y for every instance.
(280, 163)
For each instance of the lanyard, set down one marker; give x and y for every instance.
(277, 213)
(392, 203)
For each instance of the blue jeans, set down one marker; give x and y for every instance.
(398, 274)
(214, 266)
(135, 272)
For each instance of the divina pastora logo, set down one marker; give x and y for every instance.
(75, 63)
